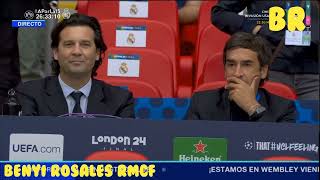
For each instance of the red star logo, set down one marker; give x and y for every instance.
(200, 147)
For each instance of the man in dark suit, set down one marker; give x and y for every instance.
(246, 59)
(78, 47)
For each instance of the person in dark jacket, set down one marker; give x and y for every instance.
(246, 59)
(78, 48)
(296, 66)
(9, 51)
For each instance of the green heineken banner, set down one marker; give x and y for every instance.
(199, 149)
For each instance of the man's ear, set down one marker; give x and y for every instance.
(55, 53)
(264, 72)
(98, 55)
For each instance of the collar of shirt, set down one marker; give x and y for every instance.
(67, 90)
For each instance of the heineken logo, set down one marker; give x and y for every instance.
(199, 149)
(184, 157)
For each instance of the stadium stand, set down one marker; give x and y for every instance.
(158, 36)
(202, 69)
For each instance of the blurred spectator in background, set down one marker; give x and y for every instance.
(188, 17)
(296, 66)
(188, 11)
(9, 52)
(36, 65)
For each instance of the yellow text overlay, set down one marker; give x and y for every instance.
(76, 170)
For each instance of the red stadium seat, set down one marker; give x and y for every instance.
(110, 10)
(188, 38)
(280, 90)
(210, 43)
(275, 88)
(205, 14)
(156, 77)
(159, 37)
(210, 85)
(116, 156)
(138, 88)
(213, 70)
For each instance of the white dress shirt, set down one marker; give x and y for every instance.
(67, 90)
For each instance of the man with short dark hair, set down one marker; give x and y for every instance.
(296, 64)
(78, 48)
(246, 59)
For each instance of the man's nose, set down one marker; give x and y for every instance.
(238, 71)
(77, 50)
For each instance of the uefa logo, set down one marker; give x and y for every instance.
(248, 145)
(28, 14)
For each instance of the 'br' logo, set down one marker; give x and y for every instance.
(295, 16)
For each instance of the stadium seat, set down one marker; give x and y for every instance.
(205, 13)
(210, 85)
(213, 70)
(188, 38)
(103, 10)
(280, 90)
(159, 37)
(210, 40)
(275, 88)
(138, 88)
(116, 156)
(156, 77)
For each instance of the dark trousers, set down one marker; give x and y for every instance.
(9, 59)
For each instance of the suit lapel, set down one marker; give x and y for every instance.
(223, 106)
(97, 101)
(263, 99)
(54, 98)
(225, 102)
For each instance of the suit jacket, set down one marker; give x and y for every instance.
(215, 105)
(44, 97)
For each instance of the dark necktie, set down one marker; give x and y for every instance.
(76, 96)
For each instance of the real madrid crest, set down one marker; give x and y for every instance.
(131, 39)
(66, 13)
(123, 69)
(133, 9)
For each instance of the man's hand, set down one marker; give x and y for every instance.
(256, 29)
(242, 94)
